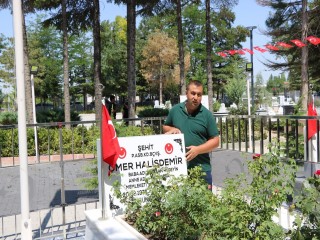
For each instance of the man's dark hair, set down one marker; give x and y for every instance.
(194, 82)
(112, 97)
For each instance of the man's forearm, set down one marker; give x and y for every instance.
(170, 129)
(209, 146)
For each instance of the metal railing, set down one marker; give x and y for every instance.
(288, 132)
(49, 223)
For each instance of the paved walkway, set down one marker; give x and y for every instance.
(45, 186)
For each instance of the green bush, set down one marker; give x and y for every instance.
(216, 106)
(8, 118)
(74, 140)
(241, 110)
(307, 224)
(183, 208)
(55, 115)
(153, 112)
(126, 131)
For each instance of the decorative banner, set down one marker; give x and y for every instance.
(248, 50)
(137, 154)
(260, 49)
(285, 45)
(271, 47)
(298, 43)
(312, 39)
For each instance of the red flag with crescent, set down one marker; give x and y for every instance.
(285, 45)
(313, 40)
(271, 47)
(248, 50)
(110, 144)
(260, 49)
(298, 42)
(312, 123)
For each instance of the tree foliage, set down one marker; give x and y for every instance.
(236, 85)
(160, 55)
(294, 20)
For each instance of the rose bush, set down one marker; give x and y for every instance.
(184, 208)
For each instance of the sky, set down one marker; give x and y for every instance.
(248, 13)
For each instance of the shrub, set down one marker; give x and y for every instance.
(153, 112)
(216, 106)
(185, 209)
(8, 118)
(308, 222)
(55, 115)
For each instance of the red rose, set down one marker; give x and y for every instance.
(157, 214)
(317, 172)
(256, 156)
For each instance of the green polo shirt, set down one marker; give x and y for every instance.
(197, 129)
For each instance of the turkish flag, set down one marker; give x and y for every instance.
(110, 144)
(260, 49)
(232, 52)
(241, 52)
(248, 50)
(312, 123)
(313, 40)
(271, 47)
(298, 43)
(285, 45)
(222, 54)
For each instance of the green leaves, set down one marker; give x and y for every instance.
(243, 210)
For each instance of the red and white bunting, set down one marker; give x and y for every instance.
(273, 47)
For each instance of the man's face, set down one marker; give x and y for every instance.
(194, 96)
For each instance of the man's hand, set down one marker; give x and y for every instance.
(173, 130)
(192, 152)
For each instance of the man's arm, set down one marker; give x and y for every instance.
(208, 146)
(170, 129)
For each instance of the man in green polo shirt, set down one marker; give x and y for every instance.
(198, 126)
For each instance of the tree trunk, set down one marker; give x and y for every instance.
(67, 117)
(160, 85)
(27, 77)
(97, 58)
(181, 49)
(304, 58)
(131, 58)
(209, 60)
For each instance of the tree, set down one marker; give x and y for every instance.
(67, 115)
(83, 15)
(236, 85)
(97, 58)
(275, 84)
(7, 75)
(262, 95)
(292, 20)
(209, 53)
(81, 67)
(114, 56)
(160, 55)
(27, 7)
(209, 46)
(45, 50)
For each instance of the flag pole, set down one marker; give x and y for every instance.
(102, 172)
(105, 191)
(26, 228)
